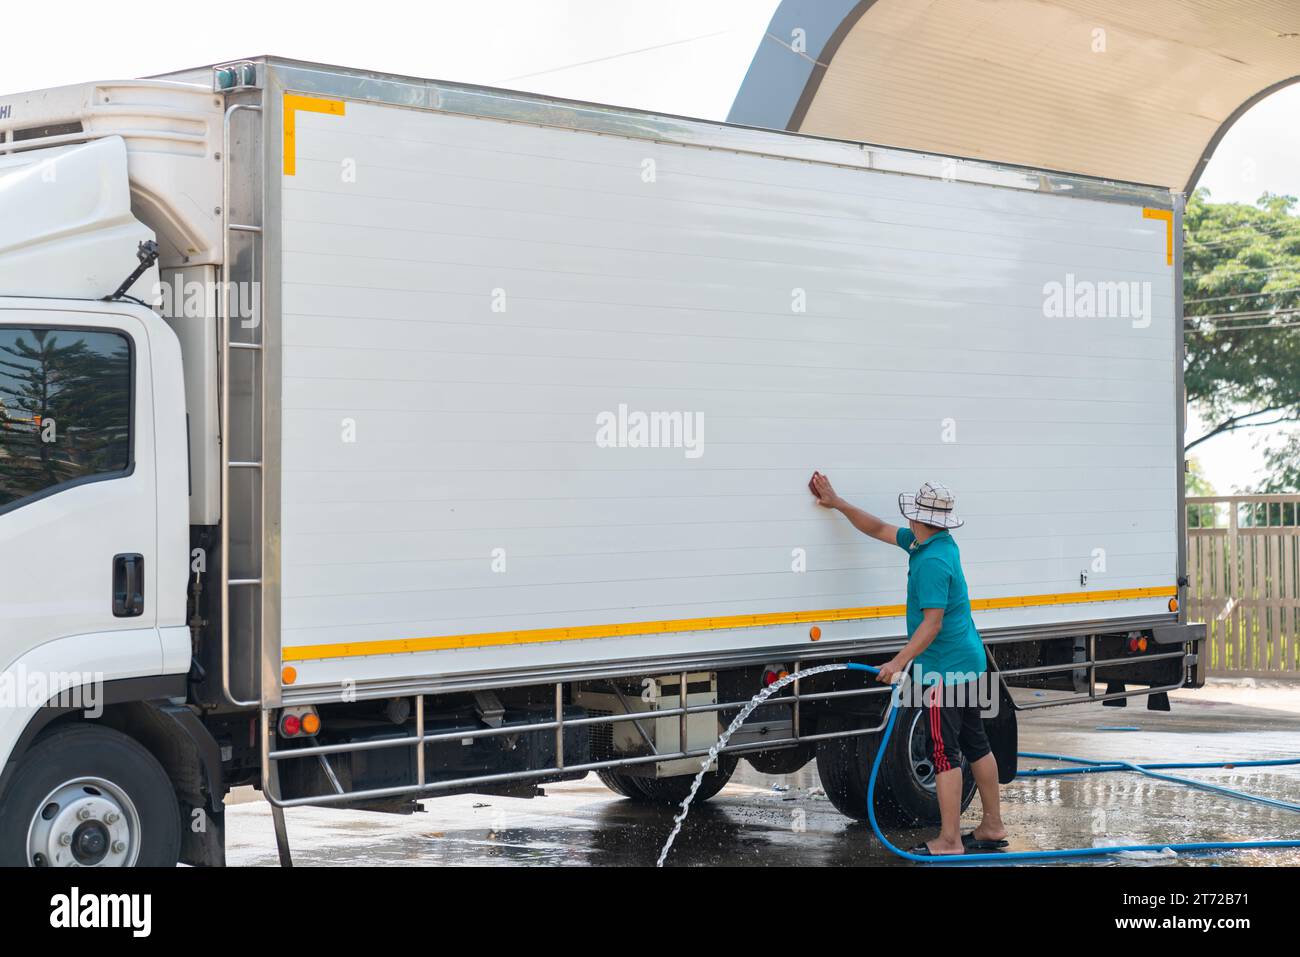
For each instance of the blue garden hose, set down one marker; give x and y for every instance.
(1086, 766)
(1117, 765)
(1150, 771)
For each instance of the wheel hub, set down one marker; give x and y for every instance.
(918, 749)
(87, 822)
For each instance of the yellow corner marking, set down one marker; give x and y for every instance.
(1168, 216)
(293, 102)
(357, 649)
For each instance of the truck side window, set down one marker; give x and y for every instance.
(65, 409)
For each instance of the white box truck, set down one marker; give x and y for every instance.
(366, 438)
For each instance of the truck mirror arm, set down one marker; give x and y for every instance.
(147, 253)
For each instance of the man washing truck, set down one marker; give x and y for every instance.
(372, 623)
(945, 654)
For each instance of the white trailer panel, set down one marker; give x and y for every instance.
(465, 299)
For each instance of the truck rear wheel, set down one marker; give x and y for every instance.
(87, 796)
(669, 791)
(782, 760)
(905, 795)
(621, 784)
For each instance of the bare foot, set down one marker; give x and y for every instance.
(990, 832)
(940, 847)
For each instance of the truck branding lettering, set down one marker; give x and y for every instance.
(6, 110)
(75, 910)
(626, 429)
(1085, 299)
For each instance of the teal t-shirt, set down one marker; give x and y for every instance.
(935, 580)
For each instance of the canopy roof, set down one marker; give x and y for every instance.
(1139, 92)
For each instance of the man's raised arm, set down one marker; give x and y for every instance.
(864, 522)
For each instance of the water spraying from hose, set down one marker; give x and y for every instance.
(740, 719)
(1083, 765)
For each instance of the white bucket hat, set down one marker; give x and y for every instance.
(933, 504)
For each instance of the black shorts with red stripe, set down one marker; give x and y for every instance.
(954, 728)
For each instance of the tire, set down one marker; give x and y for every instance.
(905, 795)
(621, 784)
(672, 791)
(782, 760)
(134, 817)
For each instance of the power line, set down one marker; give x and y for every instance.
(1244, 295)
(1282, 320)
(1295, 267)
(1256, 234)
(1266, 229)
(1246, 314)
(1284, 327)
(1228, 319)
(613, 56)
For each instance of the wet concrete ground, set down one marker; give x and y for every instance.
(763, 820)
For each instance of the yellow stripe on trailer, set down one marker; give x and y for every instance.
(395, 646)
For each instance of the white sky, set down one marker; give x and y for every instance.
(694, 52)
(675, 56)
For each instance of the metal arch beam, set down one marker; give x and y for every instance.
(828, 53)
(1227, 124)
(781, 81)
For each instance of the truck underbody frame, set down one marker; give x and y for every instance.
(1174, 664)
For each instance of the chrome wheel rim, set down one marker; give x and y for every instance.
(918, 754)
(85, 822)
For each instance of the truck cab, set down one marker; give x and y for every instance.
(95, 471)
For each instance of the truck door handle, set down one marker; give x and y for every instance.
(128, 586)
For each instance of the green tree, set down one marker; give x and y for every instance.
(1283, 463)
(1196, 483)
(1241, 291)
(1195, 480)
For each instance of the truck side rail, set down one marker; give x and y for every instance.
(271, 755)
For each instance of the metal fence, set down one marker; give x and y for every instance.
(1243, 565)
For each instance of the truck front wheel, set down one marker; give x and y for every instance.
(89, 796)
(905, 795)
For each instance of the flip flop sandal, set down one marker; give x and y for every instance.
(922, 850)
(973, 843)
